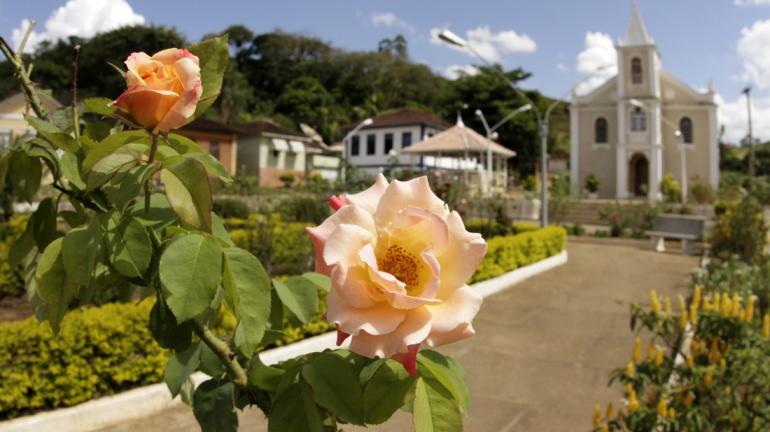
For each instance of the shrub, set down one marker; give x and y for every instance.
(287, 179)
(592, 183)
(303, 209)
(511, 252)
(231, 208)
(670, 188)
(11, 279)
(283, 248)
(529, 183)
(700, 192)
(740, 230)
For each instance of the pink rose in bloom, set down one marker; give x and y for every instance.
(163, 90)
(399, 261)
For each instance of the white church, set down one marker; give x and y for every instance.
(642, 124)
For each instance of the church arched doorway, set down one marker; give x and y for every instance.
(639, 171)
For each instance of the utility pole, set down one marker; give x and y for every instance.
(752, 168)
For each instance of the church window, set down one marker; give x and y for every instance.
(636, 70)
(685, 127)
(600, 130)
(638, 120)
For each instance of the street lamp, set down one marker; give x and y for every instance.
(682, 149)
(491, 134)
(752, 168)
(345, 141)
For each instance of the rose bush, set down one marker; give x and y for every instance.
(163, 90)
(399, 261)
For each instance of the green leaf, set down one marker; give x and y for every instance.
(159, 215)
(79, 250)
(263, 376)
(247, 292)
(319, 280)
(98, 105)
(190, 272)
(187, 391)
(211, 365)
(52, 286)
(131, 249)
(113, 142)
(22, 247)
(70, 170)
(180, 366)
(214, 408)
(219, 231)
(94, 132)
(300, 296)
(295, 411)
(127, 185)
(181, 144)
(368, 371)
(53, 134)
(24, 174)
(386, 392)
(448, 373)
(121, 159)
(212, 165)
(434, 408)
(214, 55)
(189, 192)
(166, 331)
(43, 223)
(335, 386)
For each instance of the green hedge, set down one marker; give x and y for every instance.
(511, 252)
(108, 349)
(11, 279)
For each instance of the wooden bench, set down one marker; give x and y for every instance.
(686, 228)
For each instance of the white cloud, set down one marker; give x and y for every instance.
(84, 18)
(562, 67)
(456, 71)
(752, 47)
(389, 19)
(752, 2)
(490, 45)
(733, 115)
(597, 62)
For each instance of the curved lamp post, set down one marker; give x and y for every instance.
(345, 141)
(491, 135)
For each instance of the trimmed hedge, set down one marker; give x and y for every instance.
(511, 252)
(11, 279)
(109, 349)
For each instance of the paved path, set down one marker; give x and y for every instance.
(544, 348)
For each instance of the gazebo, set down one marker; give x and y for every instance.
(461, 148)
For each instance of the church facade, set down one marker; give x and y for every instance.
(642, 124)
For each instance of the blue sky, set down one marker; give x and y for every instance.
(699, 40)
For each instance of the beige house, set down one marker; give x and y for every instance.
(642, 124)
(12, 111)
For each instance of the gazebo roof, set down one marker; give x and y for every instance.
(457, 140)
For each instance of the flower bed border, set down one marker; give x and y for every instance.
(148, 400)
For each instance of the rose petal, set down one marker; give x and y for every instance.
(400, 195)
(462, 256)
(343, 245)
(133, 78)
(351, 215)
(463, 331)
(408, 359)
(413, 330)
(377, 320)
(370, 198)
(189, 74)
(147, 106)
(418, 226)
(354, 286)
(460, 308)
(170, 56)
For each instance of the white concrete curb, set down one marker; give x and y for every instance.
(148, 400)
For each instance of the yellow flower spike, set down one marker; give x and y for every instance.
(662, 407)
(637, 354)
(667, 306)
(654, 302)
(726, 307)
(633, 402)
(742, 316)
(630, 369)
(605, 428)
(722, 363)
(736, 310)
(650, 351)
(682, 304)
(671, 413)
(683, 320)
(714, 350)
(766, 326)
(707, 304)
(708, 377)
(750, 308)
(690, 361)
(659, 356)
(696, 296)
(694, 314)
(597, 415)
(610, 413)
(717, 301)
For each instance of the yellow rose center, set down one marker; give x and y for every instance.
(403, 265)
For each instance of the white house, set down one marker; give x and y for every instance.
(642, 124)
(373, 147)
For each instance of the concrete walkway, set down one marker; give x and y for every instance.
(544, 349)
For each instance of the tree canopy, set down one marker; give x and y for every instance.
(295, 78)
